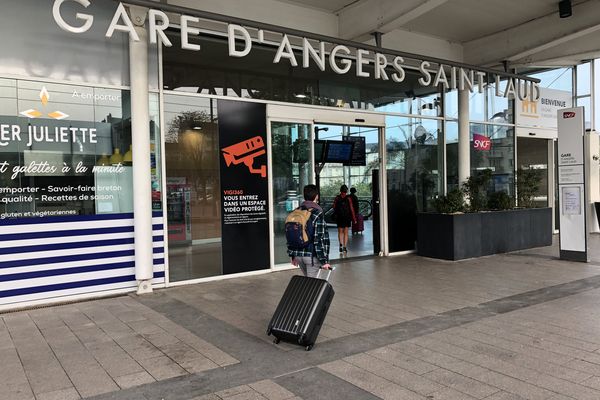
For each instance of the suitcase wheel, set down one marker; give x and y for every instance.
(276, 340)
(309, 347)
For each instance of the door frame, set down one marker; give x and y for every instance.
(312, 115)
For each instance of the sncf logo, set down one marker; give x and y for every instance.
(481, 143)
(568, 114)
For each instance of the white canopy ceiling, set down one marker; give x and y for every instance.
(526, 33)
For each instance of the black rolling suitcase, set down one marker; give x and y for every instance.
(301, 311)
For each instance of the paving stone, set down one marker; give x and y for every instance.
(271, 390)
(525, 356)
(252, 395)
(15, 391)
(461, 383)
(180, 352)
(401, 360)
(450, 394)
(370, 382)
(66, 394)
(211, 396)
(506, 396)
(139, 378)
(162, 368)
(399, 376)
(197, 365)
(492, 378)
(234, 391)
(525, 374)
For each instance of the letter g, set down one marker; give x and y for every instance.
(84, 17)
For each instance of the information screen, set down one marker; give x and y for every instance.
(359, 151)
(339, 151)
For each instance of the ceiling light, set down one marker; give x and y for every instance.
(300, 96)
(564, 8)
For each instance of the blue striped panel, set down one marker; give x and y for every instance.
(89, 265)
(72, 285)
(65, 246)
(73, 232)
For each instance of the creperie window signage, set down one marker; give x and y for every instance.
(313, 52)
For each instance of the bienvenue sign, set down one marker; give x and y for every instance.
(313, 52)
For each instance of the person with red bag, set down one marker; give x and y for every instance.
(344, 213)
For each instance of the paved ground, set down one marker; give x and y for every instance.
(515, 326)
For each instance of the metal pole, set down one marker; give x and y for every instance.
(140, 138)
(464, 137)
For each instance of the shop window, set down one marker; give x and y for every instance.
(193, 194)
(66, 150)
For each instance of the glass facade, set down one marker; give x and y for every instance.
(66, 150)
(191, 158)
(415, 167)
(498, 157)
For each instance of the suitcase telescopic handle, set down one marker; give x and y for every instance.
(328, 273)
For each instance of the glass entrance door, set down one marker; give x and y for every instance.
(532, 154)
(294, 144)
(360, 176)
(291, 171)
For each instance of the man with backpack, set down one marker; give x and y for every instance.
(307, 235)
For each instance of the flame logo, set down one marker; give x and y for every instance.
(44, 96)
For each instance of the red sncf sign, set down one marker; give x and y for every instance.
(568, 114)
(481, 143)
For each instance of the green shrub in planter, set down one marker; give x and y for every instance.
(528, 185)
(500, 201)
(452, 203)
(475, 188)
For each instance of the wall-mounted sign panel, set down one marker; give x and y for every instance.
(571, 184)
(541, 113)
(244, 186)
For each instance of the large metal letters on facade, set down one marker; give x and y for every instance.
(341, 58)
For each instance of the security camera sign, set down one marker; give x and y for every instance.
(244, 186)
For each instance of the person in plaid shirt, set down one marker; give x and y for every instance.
(310, 261)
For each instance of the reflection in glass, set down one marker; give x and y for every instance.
(533, 154)
(583, 79)
(291, 172)
(451, 155)
(414, 179)
(76, 136)
(499, 156)
(193, 187)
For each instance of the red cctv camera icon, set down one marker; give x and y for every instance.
(245, 152)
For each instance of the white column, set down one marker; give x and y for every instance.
(140, 137)
(464, 139)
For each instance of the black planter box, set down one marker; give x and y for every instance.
(460, 236)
